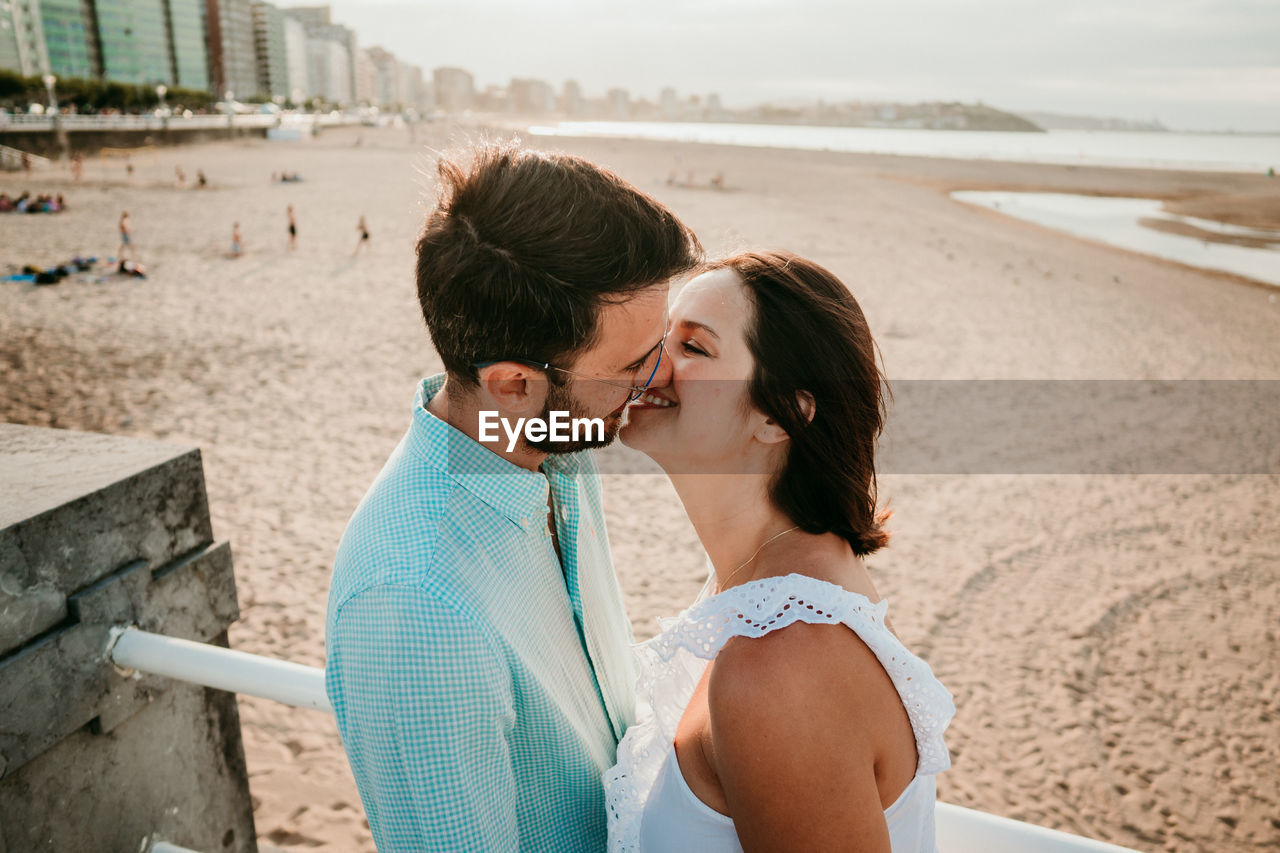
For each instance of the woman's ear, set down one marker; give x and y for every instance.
(769, 432)
(808, 406)
(513, 387)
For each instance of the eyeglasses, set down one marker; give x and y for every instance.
(636, 390)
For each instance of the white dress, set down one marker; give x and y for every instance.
(652, 809)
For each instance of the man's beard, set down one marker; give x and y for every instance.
(559, 399)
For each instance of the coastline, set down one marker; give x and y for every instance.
(1109, 639)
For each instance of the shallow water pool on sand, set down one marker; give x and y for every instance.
(1119, 222)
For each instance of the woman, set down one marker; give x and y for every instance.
(785, 713)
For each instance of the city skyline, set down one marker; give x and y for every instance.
(1192, 65)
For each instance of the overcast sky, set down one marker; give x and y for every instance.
(1193, 64)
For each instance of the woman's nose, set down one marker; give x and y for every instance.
(666, 368)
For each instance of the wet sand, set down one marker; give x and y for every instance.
(1111, 641)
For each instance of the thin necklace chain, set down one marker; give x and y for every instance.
(729, 576)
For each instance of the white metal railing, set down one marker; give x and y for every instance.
(24, 121)
(962, 830)
(224, 669)
(959, 829)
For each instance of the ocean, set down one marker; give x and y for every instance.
(1186, 151)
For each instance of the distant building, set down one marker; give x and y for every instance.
(387, 91)
(329, 70)
(491, 99)
(188, 48)
(413, 89)
(270, 50)
(133, 36)
(22, 40)
(455, 89)
(669, 105)
(295, 49)
(70, 37)
(618, 104)
(571, 102)
(130, 41)
(366, 79)
(319, 25)
(530, 97)
(233, 62)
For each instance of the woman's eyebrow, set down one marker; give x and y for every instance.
(703, 326)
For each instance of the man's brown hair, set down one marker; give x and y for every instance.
(525, 247)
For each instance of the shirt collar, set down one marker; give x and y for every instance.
(515, 492)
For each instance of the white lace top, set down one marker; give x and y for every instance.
(651, 807)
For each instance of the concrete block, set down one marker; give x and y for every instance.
(97, 531)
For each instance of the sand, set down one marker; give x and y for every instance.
(1111, 641)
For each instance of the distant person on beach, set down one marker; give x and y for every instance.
(126, 236)
(363, 228)
(237, 240)
(201, 180)
(131, 268)
(478, 656)
(293, 228)
(182, 177)
(77, 167)
(26, 163)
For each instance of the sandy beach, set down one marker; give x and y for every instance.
(1111, 641)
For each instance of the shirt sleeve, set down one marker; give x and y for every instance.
(424, 705)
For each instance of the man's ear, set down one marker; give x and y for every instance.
(770, 433)
(514, 387)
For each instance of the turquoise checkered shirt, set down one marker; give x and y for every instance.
(480, 686)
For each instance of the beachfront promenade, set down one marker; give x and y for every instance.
(24, 123)
(60, 134)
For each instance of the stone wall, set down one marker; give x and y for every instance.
(97, 531)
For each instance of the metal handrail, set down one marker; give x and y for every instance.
(72, 122)
(959, 829)
(224, 669)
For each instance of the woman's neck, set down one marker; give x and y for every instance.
(733, 517)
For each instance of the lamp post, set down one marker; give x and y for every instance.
(161, 90)
(59, 132)
(49, 80)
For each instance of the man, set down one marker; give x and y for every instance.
(478, 650)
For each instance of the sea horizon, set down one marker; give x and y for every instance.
(1177, 150)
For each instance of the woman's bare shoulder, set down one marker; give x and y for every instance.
(795, 669)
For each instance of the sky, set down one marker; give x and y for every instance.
(1192, 64)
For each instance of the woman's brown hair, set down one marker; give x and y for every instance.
(809, 337)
